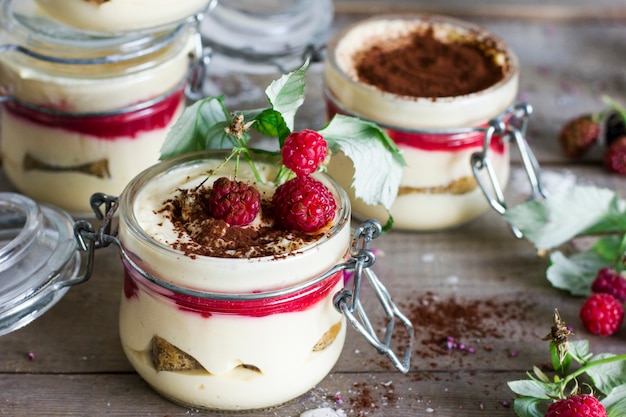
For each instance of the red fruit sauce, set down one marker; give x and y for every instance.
(443, 142)
(298, 301)
(106, 127)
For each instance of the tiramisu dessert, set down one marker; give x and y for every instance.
(71, 129)
(433, 83)
(223, 304)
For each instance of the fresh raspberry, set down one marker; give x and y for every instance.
(608, 281)
(235, 202)
(304, 151)
(578, 135)
(602, 314)
(581, 405)
(615, 156)
(303, 204)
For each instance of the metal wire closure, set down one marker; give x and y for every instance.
(514, 129)
(346, 301)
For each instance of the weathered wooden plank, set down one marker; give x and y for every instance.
(526, 9)
(357, 394)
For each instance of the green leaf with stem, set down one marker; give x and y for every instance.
(531, 388)
(607, 371)
(286, 95)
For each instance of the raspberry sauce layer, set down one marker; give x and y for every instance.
(442, 142)
(206, 307)
(107, 127)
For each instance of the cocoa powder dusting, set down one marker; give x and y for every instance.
(441, 322)
(202, 235)
(423, 66)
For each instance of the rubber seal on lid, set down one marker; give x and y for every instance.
(38, 259)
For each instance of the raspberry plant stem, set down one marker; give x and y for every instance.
(585, 367)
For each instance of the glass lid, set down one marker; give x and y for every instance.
(38, 259)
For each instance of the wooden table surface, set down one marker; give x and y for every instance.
(69, 361)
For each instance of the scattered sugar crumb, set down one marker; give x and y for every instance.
(428, 257)
(323, 412)
(452, 279)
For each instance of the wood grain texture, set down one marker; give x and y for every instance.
(571, 52)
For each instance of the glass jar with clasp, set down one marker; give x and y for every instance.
(85, 111)
(456, 142)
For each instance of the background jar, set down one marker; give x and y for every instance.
(85, 112)
(261, 331)
(437, 135)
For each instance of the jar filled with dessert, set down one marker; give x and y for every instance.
(237, 311)
(87, 108)
(445, 91)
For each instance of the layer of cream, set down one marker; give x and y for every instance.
(427, 200)
(277, 351)
(64, 167)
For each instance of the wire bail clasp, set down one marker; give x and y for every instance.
(514, 129)
(348, 302)
(88, 239)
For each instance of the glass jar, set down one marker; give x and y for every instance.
(440, 137)
(260, 36)
(241, 332)
(86, 112)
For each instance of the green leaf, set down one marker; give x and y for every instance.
(286, 94)
(531, 388)
(615, 402)
(580, 349)
(607, 376)
(576, 273)
(217, 138)
(560, 217)
(190, 132)
(527, 407)
(377, 161)
(609, 248)
(271, 123)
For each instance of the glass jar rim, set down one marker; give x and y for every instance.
(44, 39)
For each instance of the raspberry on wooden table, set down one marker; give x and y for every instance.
(235, 202)
(304, 151)
(578, 135)
(602, 314)
(303, 204)
(615, 156)
(608, 281)
(581, 405)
